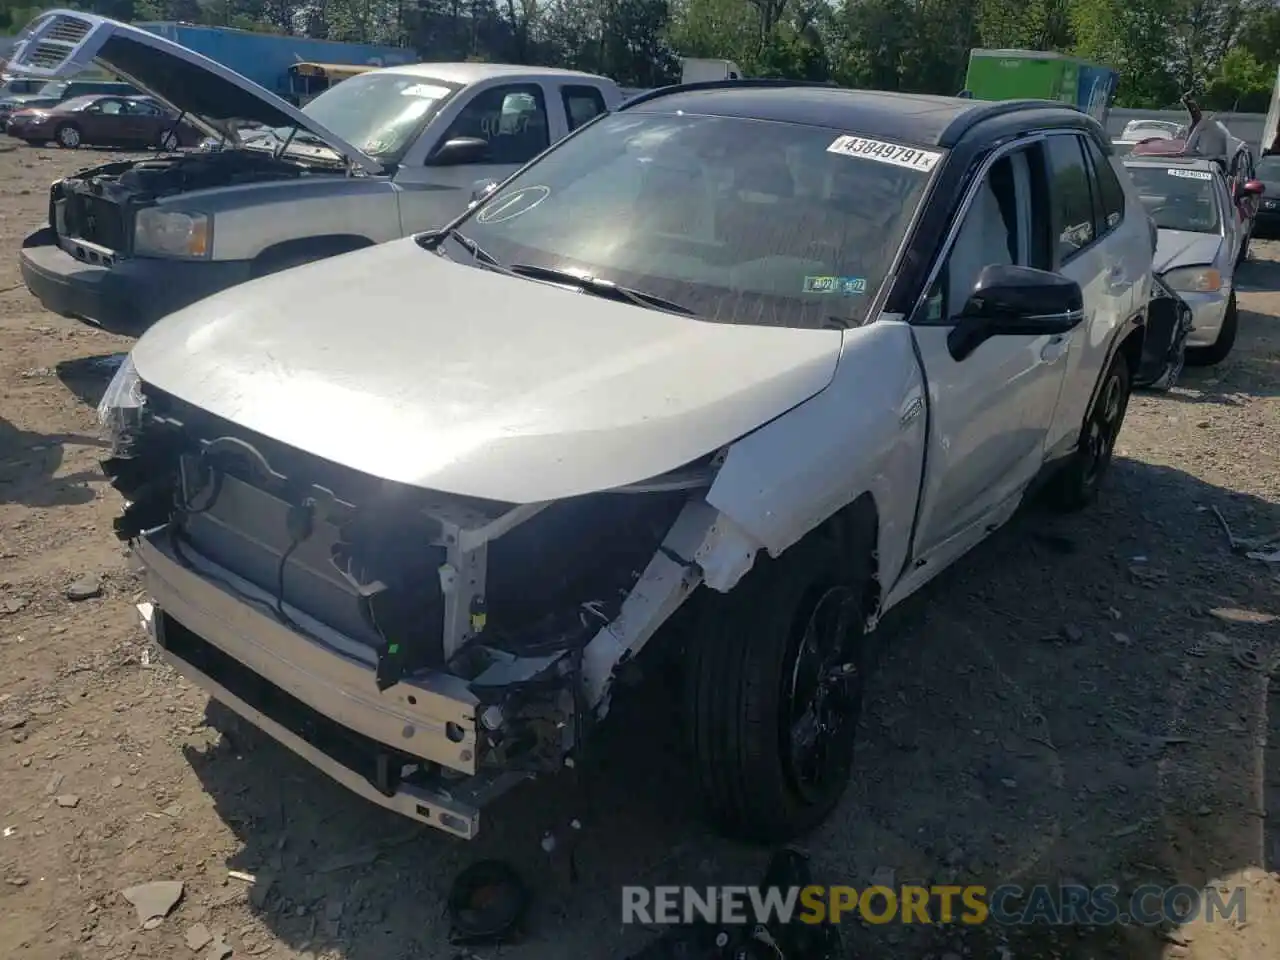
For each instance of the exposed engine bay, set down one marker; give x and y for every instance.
(96, 205)
(503, 598)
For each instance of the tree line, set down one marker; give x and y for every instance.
(1226, 51)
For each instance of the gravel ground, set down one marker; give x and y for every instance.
(1080, 701)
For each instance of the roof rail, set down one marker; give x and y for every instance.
(752, 82)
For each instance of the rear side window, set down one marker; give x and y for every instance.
(582, 104)
(1070, 196)
(1109, 193)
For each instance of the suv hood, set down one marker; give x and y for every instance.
(406, 366)
(61, 43)
(1182, 248)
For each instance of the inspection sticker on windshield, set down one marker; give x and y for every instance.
(1190, 174)
(846, 286)
(913, 158)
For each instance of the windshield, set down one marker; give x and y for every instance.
(54, 88)
(740, 221)
(380, 113)
(1179, 198)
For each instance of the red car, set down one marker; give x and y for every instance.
(107, 121)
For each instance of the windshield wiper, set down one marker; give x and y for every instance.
(432, 239)
(601, 288)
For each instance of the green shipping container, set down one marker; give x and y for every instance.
(1019, 74)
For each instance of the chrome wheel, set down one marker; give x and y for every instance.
(69, 137)
(823, 693)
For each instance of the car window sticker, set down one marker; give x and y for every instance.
(913, 158)
(1190, 174)
(844, 286)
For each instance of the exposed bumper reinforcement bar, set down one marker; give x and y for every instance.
(429, 807)
(206, 630)
(432, 718)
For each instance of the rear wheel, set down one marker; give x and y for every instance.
(1218, 351)
(1077, 483)
(773, 691)
(168, 141)
(68, 136)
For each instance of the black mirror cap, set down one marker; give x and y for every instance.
(459, 150)
(1004, 290)
(1015, 301)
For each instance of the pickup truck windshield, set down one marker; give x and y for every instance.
(737, 220)
(1177, 198)
(380, 113)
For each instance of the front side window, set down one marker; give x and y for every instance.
(381, 114)
(513, 119)
(1072, 202)
(1179, 198)
(737, 220)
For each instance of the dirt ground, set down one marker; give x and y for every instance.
(1083, 700)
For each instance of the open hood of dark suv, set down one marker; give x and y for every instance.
(61, 43)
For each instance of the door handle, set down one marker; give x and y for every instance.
(1052, 351)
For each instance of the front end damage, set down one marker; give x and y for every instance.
(428, 651)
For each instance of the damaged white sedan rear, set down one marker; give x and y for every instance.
(702, 373)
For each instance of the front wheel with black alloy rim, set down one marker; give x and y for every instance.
(1220, 348)
(68, 136)
(1078, 481)
(773, 691)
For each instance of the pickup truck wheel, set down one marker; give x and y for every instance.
(68, 136)
(773, 692)
(1208, 356)
(1078, 482)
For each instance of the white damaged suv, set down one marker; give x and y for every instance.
(736, 367)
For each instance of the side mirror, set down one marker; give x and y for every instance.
(458, 151)
(1253, 188)
(481, 189)
(1015, 301)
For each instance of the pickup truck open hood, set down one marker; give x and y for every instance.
(401, 364)
(61, 43)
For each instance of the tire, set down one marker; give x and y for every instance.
(1219, 350)
(1076, 485)
(167, 141)
(68, 136)
(743, 665)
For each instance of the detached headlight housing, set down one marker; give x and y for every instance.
(1194, 280)
(168, 233)
(121, 409)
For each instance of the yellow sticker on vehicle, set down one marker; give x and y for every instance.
(912, 158)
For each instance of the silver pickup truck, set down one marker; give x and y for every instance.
(380, 156)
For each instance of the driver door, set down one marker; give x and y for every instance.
(990, 411)
(515, 121)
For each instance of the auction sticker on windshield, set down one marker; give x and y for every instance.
(913, 158)
(1190, 174)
